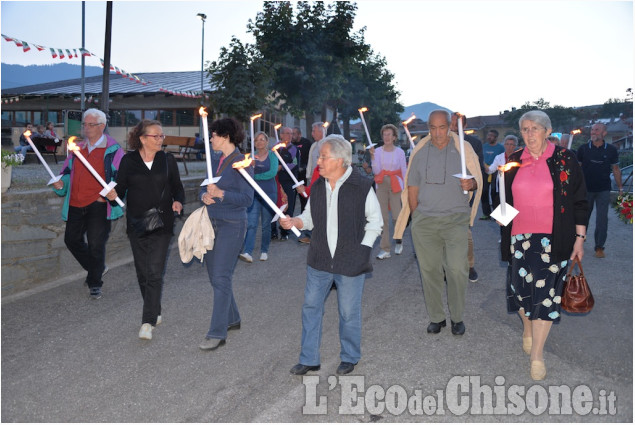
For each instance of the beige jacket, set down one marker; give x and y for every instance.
(473, 168)
(197, 236)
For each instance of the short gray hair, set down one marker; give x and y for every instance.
(448, 116)
(512, 137)
(340, 148)
(317, 124)
(93, 112)
(536, 116)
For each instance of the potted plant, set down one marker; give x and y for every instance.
(9, 159)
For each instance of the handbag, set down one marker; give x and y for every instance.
(576, 294)
(150, 221)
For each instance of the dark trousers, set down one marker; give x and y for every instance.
(221, 262)
(489, 189)
(88, 224)
(291, 193)
(150, 255)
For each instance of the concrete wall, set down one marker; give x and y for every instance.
(33, 251)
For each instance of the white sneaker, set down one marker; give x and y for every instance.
(246, 257)
(264, 256)
(105, 270)
(146, 331)
(159, 320)
(398, 248)
(383, 255)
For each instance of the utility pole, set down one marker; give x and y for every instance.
(105, 88)
(83, 107)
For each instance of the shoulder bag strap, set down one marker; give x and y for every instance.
(227, 161)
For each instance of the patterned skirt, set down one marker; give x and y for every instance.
(534, 281)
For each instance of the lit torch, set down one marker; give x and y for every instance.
(463, 174)
(252, 119)
(361, 114)
(286, 167)
(504, 213)
(208, 157)
(275, 130)
(107, 187)
(405, 126)
(573, 132)
(325, 126)
(240, 166)
(54, 178)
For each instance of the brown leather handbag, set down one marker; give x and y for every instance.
(576, 295)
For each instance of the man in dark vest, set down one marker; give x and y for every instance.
(346, 218)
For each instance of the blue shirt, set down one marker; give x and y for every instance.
(490, 152)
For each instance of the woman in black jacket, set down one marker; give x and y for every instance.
(149, 178)
(547, 188)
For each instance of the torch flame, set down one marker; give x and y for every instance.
(576, 131)
(202, 111)
(244, 163)
(254, 117)
(326, 124)
(27, 133)
(468, 132)
(409, 120)
(277, 126)
(71, 144)
(508, 166)
(278, 146)
(363, 109)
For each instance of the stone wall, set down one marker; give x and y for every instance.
(33, 251)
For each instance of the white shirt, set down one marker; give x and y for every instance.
(499, 161)
(374, 221)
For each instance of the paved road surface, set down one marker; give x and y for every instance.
(66, 358)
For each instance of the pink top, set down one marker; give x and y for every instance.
(532, 190)
(390, 161)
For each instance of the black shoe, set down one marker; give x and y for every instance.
(345, 368)
(234, 326)
(274, 236)
(458, 328)
(95, 293)
(301, 369)
(284, 237)
(473, 276)
(435, 328)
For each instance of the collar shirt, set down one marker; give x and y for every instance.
(101, 143)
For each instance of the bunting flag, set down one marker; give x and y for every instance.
(26, 47)
(39, 48)
(61, 53)
(53, 53)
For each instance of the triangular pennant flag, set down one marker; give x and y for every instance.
(69, 54)
(40, 48)
(26, 47)
(75, 51)
(7, 38)
(118, 71)
(102, 62)
(61, 53)
(53, 53)
(112, 67)
(17, 42)
(84, 52)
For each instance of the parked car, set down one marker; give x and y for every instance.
(627, 179)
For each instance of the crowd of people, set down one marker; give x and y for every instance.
(343, 210)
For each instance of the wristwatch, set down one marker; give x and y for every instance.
(580, 236)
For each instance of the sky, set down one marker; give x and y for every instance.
(476, 57)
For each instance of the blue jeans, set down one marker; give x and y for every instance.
(601, 199)
(349, 301)
(221, 262)
(90, 221)
(258, 209)
(23, 149)
(290, 191)
(150, 255)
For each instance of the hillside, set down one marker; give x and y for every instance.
(421, 110)
(18, 75)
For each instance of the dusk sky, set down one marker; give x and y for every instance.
(476, 57)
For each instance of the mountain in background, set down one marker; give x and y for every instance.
(18, 75)
(421, 110)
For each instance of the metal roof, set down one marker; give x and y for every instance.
(186, 81)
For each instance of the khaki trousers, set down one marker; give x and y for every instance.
(441, 246)
(387, 197)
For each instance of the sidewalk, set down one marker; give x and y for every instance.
(66, 358)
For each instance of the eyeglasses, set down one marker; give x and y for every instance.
(324, 158)
(157, 137)
(91, 124)
(535, 129)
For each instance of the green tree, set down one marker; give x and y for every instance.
(241, 80)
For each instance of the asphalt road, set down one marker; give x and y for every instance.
(66, 358)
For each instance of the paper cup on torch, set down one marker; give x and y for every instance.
(208, 156)
(54, 178)
(240, 166)
(107, 187)
(504, 213)
(286, 167)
